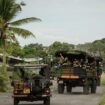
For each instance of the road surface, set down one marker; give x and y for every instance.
(76, 98)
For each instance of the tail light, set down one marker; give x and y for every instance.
(26, 88)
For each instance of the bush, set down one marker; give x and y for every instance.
(3, 81)
(102, 100)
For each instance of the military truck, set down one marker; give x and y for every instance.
(77, 69)
(31, 83)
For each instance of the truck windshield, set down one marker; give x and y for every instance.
(24, 72)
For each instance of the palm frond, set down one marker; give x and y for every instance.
(24, 21)
(6, 8)
(10, 35)
(21, 32)
(15, 9)
(9, 9)
(22, 3)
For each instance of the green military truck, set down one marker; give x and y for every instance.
(78, 69)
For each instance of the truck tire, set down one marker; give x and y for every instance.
(85, 89)
(16, 101)
(69, 89)
(93, 86)
(60, 88)
(47, 101)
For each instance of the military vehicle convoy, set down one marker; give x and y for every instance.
(31, 83)
(77, 68)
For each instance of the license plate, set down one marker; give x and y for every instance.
(60, 82)
(26, 91)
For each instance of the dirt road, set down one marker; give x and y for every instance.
(76, 98)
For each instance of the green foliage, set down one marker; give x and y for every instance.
(24, 21)
(16, 75)
(9, 9)
(95, 48)
(103, 79)
(16, 50)
(3, 80)
(102, 100)
(21, 32)
(59, 46)
(34, 50)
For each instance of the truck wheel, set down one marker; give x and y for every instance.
(86, 89)
(60, 88)
(47, 101)
(93, 86)
(69, 89)
(16, 101)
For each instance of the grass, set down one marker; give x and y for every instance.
(102, 99)
(103, 79)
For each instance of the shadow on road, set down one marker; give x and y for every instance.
(31, 104)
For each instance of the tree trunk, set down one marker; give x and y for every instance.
(3, 45)
(4, 59)
(4, 67)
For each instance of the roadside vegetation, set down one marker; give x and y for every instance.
(9, 29)
(3, 81)
(103, 79)
(102, 99)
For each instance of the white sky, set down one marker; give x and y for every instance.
(71, 21)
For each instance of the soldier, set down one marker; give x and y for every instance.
(62, 59)
(59, 62)
(76, 63)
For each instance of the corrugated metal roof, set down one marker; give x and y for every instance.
(23, 59)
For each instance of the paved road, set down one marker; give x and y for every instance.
(76, 98)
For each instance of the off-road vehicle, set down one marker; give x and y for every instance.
(31, 83)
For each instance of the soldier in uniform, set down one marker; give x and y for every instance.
(76, 63)
(60, 61)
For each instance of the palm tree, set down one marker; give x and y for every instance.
(9, 9)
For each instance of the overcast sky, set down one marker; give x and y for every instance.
(71, 21)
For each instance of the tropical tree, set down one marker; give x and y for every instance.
(59, 46)
(34, 50)
(9, 9)
(96, 48)
(15, 50)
